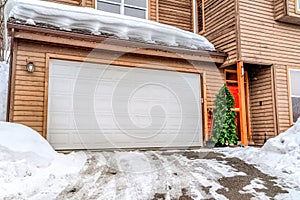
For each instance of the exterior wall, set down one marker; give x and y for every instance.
(282, 99)
(262, 105)
(286, 11)
(220, 26)
(279, 9)
(264, 40)
(85, 3)
(28, 98)
(177, 13)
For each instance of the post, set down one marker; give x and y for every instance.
(242, 101)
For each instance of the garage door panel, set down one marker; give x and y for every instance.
(98, 106)
(59, 103)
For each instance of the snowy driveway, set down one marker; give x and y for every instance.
(169, 175)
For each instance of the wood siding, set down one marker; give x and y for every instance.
(261, 105)
(85, 3)
(153, 10)
(264, 40)
(270, 42)
(279, 9)
(220, 26)
(28, 89)
(177, 13)
(282, 99)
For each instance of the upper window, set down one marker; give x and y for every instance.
(298, 5)
(134, 8)
(295, 93)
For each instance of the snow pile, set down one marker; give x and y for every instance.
(97, 22)
(280, 156)
(22, 139)
(3, 89)
(29, 164)
(287, 142)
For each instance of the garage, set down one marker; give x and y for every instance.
(99, 106)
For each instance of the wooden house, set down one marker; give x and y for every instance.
(45, 61)
(262, 39)
(260, 65)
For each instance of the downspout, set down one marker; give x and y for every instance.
(203, 18)
(10, 73)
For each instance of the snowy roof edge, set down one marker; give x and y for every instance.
(97, 22)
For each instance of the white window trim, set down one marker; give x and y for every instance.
(290, 93)
(122, 6)
(297, 6)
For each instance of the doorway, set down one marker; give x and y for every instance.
(231, 80)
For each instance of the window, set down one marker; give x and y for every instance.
(298, 5)
(134, 8)
(294, 76)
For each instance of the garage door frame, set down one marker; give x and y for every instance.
(202, 74)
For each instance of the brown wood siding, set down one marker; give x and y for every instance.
(282, 99)
(86, 3)
(152, 10)
(264, 40)
(279, 9)
(220, 26)
(262, 115)
(27, 101)
(176, 13)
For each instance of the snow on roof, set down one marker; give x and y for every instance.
(98, 22)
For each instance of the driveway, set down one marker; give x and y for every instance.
(180, 175)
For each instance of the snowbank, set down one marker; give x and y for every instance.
(29, 164)
(22, 139)
(287, 142)
(3, 89)
(98, 22)
(280, 157)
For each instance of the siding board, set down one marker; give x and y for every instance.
(262, 116)
(220, 25)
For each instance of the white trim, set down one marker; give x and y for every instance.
(291, 94)
(123, 5)
(195, 16)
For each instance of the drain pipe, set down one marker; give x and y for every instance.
(10, 73)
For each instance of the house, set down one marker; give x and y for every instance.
(262, 39)
(88, 79)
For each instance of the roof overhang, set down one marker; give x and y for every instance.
(60, 37)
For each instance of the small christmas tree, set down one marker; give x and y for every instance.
(224, 127)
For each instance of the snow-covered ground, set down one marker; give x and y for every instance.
(3, 89)
(31, 169)
(279, 157)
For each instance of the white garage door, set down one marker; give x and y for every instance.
(96, 106)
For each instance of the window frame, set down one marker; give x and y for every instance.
(290, 96)
(297, 6)
(123, 5)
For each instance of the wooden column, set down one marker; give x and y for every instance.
(242, 101)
